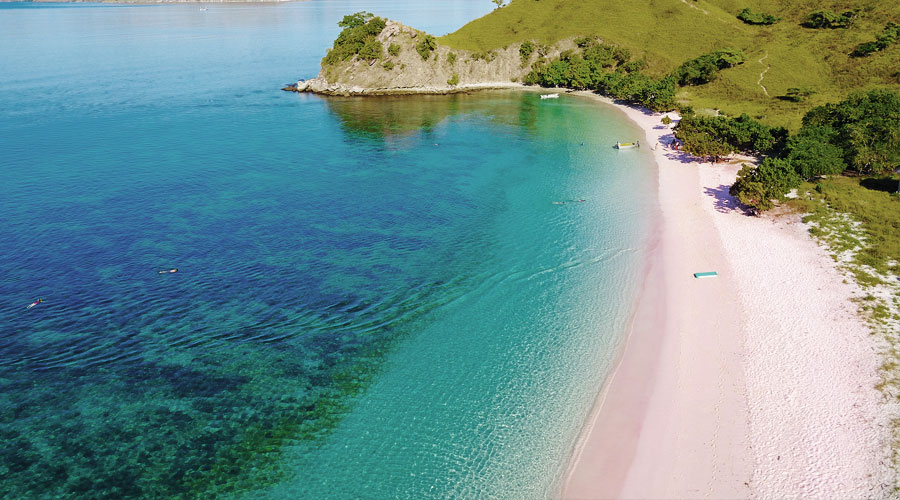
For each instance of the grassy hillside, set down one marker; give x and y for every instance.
(667, 32)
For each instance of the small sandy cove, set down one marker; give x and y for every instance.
(759, 383)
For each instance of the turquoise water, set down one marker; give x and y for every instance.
(375, 298)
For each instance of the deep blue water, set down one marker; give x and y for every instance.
(375, 297)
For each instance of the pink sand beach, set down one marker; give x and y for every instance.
(759, 383)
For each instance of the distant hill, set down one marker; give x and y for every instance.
(781, 56)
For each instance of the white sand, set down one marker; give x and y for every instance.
(758, 383)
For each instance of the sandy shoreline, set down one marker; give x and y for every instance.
(760, 383)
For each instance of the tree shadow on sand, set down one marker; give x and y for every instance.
(725, 203)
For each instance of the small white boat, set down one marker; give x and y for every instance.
(550, 96)
(628, 145)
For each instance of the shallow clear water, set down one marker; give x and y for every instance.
(375, 297)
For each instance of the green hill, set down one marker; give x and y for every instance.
(668, 32)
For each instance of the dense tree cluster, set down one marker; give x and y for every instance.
(717, 136)
(704, 68)
(887, 37)
(828, 19)
(607, 69)
(750, 17)
(357, 38)
(610, 70)
(865, 127)
(861, 133)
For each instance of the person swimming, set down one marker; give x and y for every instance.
(168, 271)
(36, 302)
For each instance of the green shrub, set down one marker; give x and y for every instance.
(586, 42)
(525, 51)
(797, 94)
(454, 80)
(371, 51)
(864, 49)
(426, 46)
(888, 36)
(388, 65)
(828, 19)
(484, 55)
(394, 49)
(451, 57)
(666, 120)
(750, 17)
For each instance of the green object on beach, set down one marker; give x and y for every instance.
(708, 274)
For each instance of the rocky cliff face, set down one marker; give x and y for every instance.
(446, 70)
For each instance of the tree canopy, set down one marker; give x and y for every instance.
(357, 38)
(717, 136)
(607, 69)
(865, 127)
(756, 187)
(703, 69)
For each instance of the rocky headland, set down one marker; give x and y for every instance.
(406, 66)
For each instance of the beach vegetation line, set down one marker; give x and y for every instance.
(856, 219)
(859, 135)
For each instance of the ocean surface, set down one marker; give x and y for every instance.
(407, 297)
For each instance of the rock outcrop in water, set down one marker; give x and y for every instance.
(403, 70)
